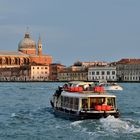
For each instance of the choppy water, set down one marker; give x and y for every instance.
(25, 114)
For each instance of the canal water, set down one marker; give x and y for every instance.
(26, 114)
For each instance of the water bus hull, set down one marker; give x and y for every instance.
(72, 115)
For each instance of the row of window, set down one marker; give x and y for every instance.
(102, 73)
(41, 77)
(131, 72)
(102, 77)
(70, 102)
(88, 103)
(132, 78)
(73, 74)
(40, 72)
(40, 68)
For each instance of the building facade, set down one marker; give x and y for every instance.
(15, 74)
(102, 73)
(128, 70)
(55, 68)
(39, 73)
(76, 75)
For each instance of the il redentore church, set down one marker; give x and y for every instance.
(17, 65)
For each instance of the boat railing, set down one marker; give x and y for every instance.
(95, 89)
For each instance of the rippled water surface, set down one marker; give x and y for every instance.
(26, 114)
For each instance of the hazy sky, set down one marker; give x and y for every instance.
(72, 30)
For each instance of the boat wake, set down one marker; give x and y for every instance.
(113, 125)
(106, 128)
(76, 123)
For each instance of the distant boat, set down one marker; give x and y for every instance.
(74, 102)
(111, 86)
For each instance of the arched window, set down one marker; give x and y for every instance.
(17, 61)
(10, 61)
(24, 61)
(6, 61)
(0, 60)
(27, 61)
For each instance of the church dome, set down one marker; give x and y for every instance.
(27, 43)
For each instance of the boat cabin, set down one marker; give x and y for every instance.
(86, 102)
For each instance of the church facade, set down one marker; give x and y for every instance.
(17, 64)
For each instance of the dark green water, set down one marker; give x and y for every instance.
(26, 114)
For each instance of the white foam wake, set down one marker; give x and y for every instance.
(114, 125)
(76, 123)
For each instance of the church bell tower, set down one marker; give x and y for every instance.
(39, 46)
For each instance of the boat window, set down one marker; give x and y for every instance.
(75, 103)
(111, 101)
(97, 101)
(66, 100)
(101, 101)
(84, 104)
(70, 102)
(93, 102)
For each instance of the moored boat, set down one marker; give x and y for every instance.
(84, 104)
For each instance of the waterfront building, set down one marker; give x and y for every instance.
(39, 73)
(28, 54)
(78, 71)
(128, 70)
(55, 68)
(15, 73)
(70, 75)
(102, 73)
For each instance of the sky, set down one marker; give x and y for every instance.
(74, 30)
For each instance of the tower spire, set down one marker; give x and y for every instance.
(39, 40)
(39, 46)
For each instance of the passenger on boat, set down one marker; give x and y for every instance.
(90, 88)
(58, 91)
(86, 87)
(65, 86)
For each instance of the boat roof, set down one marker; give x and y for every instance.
(80, 82)
(85, 94)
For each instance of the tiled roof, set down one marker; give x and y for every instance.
(129, 61)
(12, 53)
